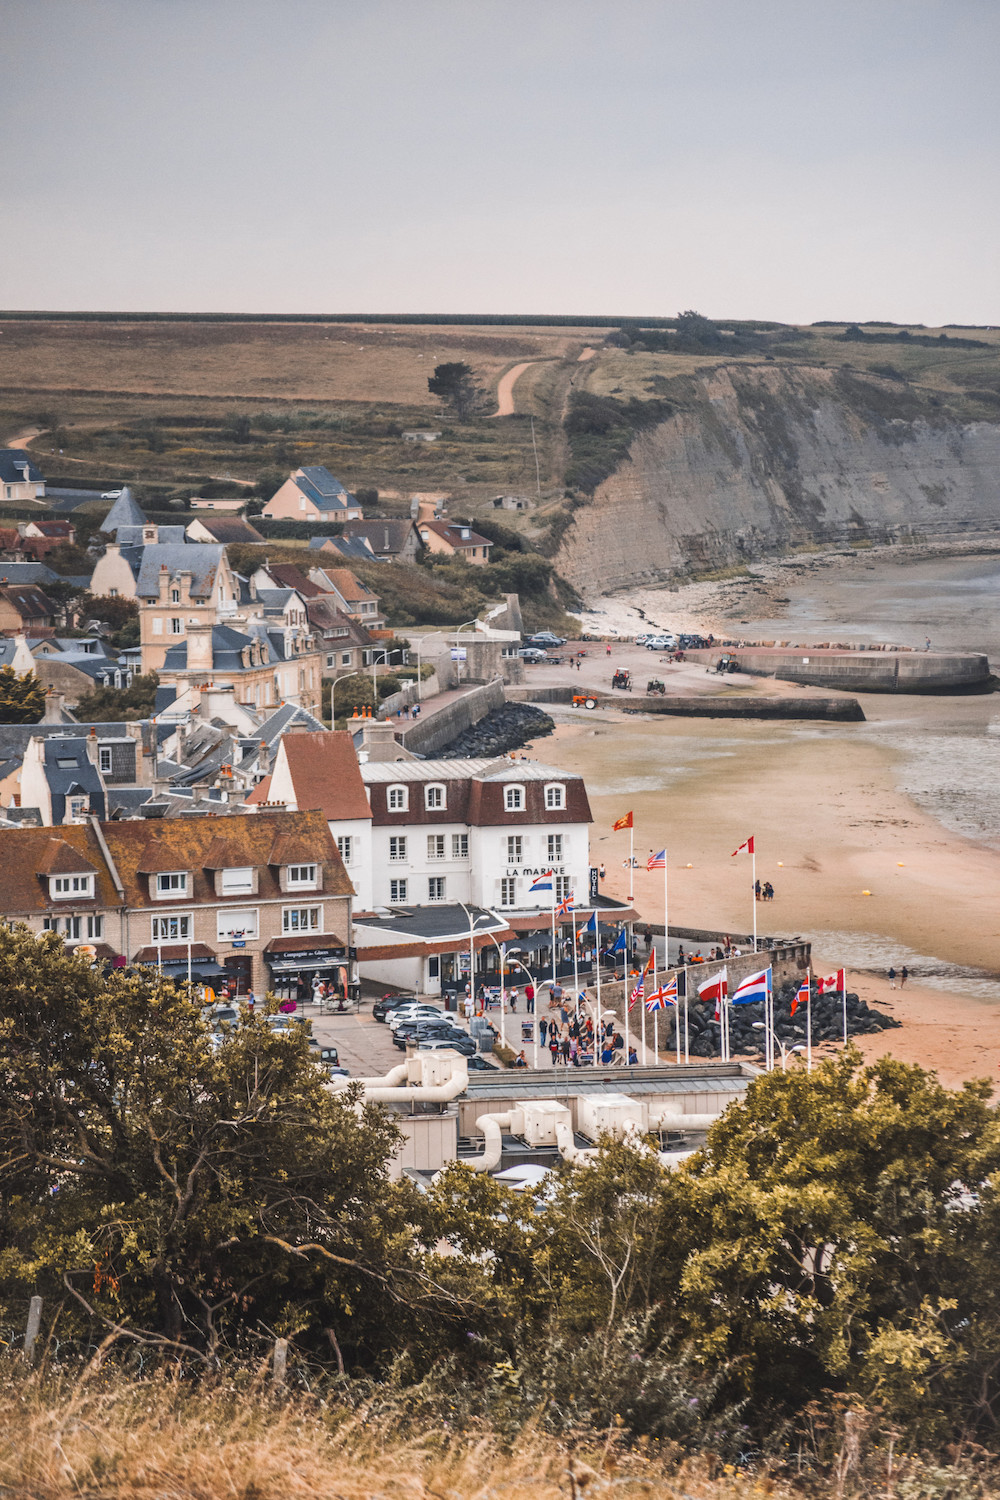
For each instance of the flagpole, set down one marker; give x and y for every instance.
(687, 1034)
(576, 967)
(625, 1007)
(631, 855)
(842, 975)
(753, 892)
(552, 877)
(809, 1025)
(656, 986)
(656, 1035)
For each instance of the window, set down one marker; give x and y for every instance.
(513, 799)
(398, 798)
(508, 891)
(561, 887)
(514, 844)
(460, 846)
(78, 806)
(157, 626)
(397, 890)
(238, 882)
(344, 843)
(435, 846)
(104, 755)
(112, 593)
(397, 848)
(434, 796)
(301, 875)
(300, 919)
(95, 927)
(435, 888)
(176, 626)
(71, 927)
(171, 929)
(174, 884)
(345, 658)
(555, 797)
(66, 886)
(237, 924)
(175, 596)
(66, 762)
(330, 661)
(554, 847)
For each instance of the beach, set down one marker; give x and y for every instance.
(881, 839)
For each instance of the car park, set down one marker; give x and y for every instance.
(382, 1009)
(662, 643)
(414, 1013)
(532, 654)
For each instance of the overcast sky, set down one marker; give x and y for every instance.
(794, 159)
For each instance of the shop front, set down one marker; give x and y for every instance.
(300, 965)
(182, 961)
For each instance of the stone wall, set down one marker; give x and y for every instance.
(704, 705)
(429, 734)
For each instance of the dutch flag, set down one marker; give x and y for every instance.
(543, 883)
(754, 987)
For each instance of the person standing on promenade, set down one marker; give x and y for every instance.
(892, 979)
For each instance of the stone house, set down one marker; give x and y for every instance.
(20, 478)
(451, 539)
(179, 588)
(390, 541)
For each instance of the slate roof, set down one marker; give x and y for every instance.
(326, 492)
(26, 572)
(126, 801)
(382, 536)
(343, 546)
(77, 776)
(227, 648)
(10, 458)
(285, 718)
(323, 615)
(325, 773)
(202, 562)
(124, 512)
(132, 536)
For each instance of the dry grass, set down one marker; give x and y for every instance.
(156, 1440)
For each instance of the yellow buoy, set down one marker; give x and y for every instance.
(866, 893)
(689, 867)
(900, 864)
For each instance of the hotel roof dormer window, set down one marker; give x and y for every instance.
(398, 799)
(555, 796)
(435, 796)
(71, 887)
(170, 885)
(513, 799)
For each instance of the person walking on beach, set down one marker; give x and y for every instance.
(892, 979)
(904, 975)
(756, 889)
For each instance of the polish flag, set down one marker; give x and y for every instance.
(715, 988)
(748, 846)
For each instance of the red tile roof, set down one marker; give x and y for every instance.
(325, 774)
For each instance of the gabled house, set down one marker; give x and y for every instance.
(61, 778)
(283, 576)
(20, 478)
(116, 572)
(262, 666)
(312, 494)
(180, 588)
(43, 537)
(321, 771)
(346, 645)
(343, 546)
(26, 610)
(224, 529)
(390, 541)
(452, 539)
(350, 594)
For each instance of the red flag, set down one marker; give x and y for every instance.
(715, 988)
(832, 983)
(748, 846)
(625, 822)
(801, 996)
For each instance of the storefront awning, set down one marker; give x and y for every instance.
(306, 951)
(173, 953)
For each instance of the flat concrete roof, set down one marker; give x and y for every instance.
(521, 1083)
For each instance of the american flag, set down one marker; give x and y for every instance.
(657, 861)
(637, 993)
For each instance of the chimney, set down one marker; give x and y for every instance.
(199, 646)
(263, 757)
(53, 707)
(150, 535)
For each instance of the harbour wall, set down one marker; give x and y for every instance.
(704, 705)
(853, 671)
(427, 735)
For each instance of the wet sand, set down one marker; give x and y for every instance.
(830, 823)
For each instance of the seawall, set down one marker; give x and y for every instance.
(862, 671)
(704, 705)
(430, 734)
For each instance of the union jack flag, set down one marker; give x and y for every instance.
(565, 906)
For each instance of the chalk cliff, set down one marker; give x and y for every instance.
(764, 457)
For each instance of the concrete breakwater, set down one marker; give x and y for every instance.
(704, 705)
(860, 670)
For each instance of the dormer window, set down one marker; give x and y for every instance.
(301, 877)
(513, 799)
(237, 881)
(172, 884)
(555, 797)
(434, 797)
(175, 596)
(71, 887)
(398, 799)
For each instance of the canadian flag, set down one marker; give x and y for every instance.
(748, 846)
(832, 983)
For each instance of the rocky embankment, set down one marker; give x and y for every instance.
(827, 1023)
(504, 729)
(764, 458)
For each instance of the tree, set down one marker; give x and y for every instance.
(187, 1198)
(456, 386)
(108, 705)
(22, 699)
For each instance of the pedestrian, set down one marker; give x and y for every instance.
(927, 643)
(608, 647)
(564, 1048)
(579, 664)
(520, 1060)
(892, 979)
(607, 1053)
(681, 960)
(647, 933)
(633, 1057)
(904, 975)
(554, 1046)
(756, 889)
(513, 999)
(529, 998)
(543, 1027)
(601, 872)
(574, 1051)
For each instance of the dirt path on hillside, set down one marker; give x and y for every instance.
(505, 388)
(22, 439)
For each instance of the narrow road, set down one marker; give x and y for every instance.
(505, 389)
(22, 439)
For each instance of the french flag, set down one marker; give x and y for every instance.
(543, 883)
(754, 987)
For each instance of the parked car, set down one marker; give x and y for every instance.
(416, 1031)
(479, 1064)
(464, 1045)
(662, 643)
(532, 654)
(224, 1015)
(641, 640)
(382, 1009)
(414, 1013)
(544, 638)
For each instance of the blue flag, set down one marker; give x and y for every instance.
(591, 924)
(621, 946)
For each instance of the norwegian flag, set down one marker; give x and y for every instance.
(832, 983)
(748, 846)
(801, 996)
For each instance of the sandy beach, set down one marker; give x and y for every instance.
(861, 868)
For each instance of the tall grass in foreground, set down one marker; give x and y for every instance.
(106, 1437)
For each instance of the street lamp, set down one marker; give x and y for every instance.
(333, 688)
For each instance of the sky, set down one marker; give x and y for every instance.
(786, 159)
